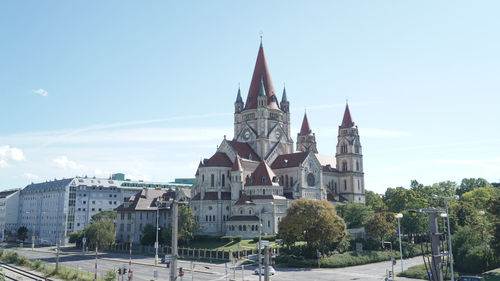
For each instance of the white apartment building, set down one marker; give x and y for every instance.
(9, 202)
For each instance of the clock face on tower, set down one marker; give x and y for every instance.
(278, 134)
(247, 135)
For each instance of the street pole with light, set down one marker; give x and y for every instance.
(399, 216)
(449, 233)
(260, 240)
(156, 243)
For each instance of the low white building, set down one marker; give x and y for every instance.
(9, 202)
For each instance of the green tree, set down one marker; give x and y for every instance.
(494, 210)
(354, 214)
(102, 228)
(471, 251)
(187, 227)
(470, 184)
(149, 235)
(22, 233)
(480, 196)
(374, 201)
(76, 237)
(313, 221)
(103, 215)
(380, 226)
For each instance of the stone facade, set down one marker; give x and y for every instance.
(255, 176)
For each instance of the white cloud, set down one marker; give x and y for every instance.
(64, 163)
(10, 153)
(31, 176)
(41, 92)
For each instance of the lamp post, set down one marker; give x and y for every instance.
(260, 239)
(399, 216)
(450, 252)
(156, 243)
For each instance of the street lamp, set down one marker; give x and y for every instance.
(157, 203)
(398, 217)
(449, 233)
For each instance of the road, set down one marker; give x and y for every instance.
(143, 268)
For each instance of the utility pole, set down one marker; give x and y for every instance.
(173, 263)
(437, 273)
(266, 263)
(260, 243)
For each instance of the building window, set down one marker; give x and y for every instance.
(268, 223)
(345, 184)
(244, 228)
(206, 218)
(212, 180)
(357, 165)
(359, 186)
(129, 216)
(344, 166)
(356, 148)
(202, 178)
(223, 180)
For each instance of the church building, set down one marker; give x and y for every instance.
(256, 175)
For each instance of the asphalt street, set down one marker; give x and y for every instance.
(143, 268)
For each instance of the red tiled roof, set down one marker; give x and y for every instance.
(243, 200)
(289, 160)
(305, 129)
(243, 218)
(218, 159)
(263, 175)
(243, 149)
(329, 168)
(236, 164)
(347, 120)
(261, 73)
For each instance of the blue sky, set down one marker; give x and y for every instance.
(147, 87)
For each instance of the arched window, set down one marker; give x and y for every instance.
(268, 223)
(291, 181)
(241, 211)
(357, 165)
(356, 148)
(212, 180)
(202, 178)
(244, 228)
(250, 211)
(263, 180)
(359, 186)
(252, 228)
(343, 148)
(345, 184)
(206, 218)
(286, 181)
(223, 180)
(213, 218)
(263, 191)
(240, 227)
(344, 166)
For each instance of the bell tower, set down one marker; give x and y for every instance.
(306, 140)
(350, 160)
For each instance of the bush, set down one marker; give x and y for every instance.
(204, 238)
(110, 275)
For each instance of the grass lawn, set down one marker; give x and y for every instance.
(217, 245)
(419, 272)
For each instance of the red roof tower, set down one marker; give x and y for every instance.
(261, 73)
(305, 129)
(347, 120)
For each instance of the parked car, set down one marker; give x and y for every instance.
(470, 278)
(263, 268)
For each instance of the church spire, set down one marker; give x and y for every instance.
(261, 76)
(283, 97)
(305, 129)
(261, 90)
(347, 120)
(238, 96)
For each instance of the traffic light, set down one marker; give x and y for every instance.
(119, 271)
(394, 261)
(181, 272)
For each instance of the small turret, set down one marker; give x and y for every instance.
(261, 97)
(306, 140)
(285, 105)
(238, 104)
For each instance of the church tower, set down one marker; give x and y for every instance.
(350, 160)
(306, 140)
(261, 122)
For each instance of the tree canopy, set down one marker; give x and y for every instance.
(187, 227)
(380, 226)
(354, 214)
(313, 221)
(102, 228)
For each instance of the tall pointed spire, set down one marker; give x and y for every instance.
(347, 120)
(305, 129)
(261, 75)
(238, 97)
(283, 97)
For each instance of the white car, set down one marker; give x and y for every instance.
(263, 269)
